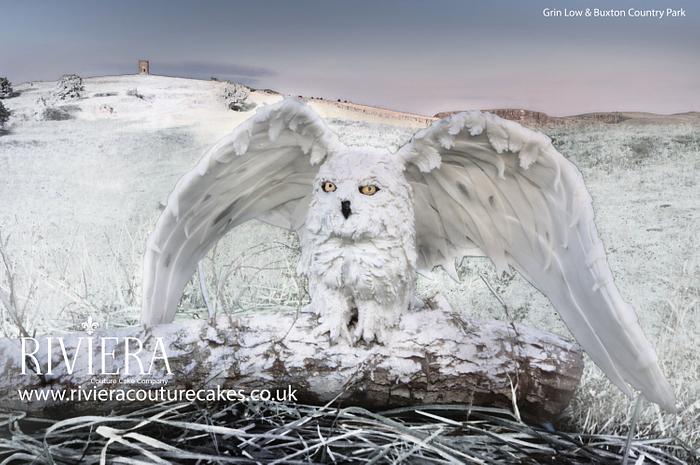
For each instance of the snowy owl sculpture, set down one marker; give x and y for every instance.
(369, 219)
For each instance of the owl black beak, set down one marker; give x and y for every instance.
(345, 208)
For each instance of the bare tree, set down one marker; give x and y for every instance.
(4, 115)
(6, 90)
(69, 87)
(236, 97)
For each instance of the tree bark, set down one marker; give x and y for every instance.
(434, 356)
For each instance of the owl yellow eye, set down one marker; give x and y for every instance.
(328, 186)
(369, 190)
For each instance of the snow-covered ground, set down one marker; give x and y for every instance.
(78, 196)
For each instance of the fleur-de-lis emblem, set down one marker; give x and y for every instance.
(89, 326)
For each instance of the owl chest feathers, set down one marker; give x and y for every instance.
(376, 269)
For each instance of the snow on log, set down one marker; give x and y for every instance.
(433, 357)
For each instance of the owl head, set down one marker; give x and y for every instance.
(360, 194)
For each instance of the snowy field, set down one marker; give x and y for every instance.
(78, 197)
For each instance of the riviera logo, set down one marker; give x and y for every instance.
(89, 326)
(81, 352)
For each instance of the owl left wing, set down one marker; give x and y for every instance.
(264, 169)
(484, 184)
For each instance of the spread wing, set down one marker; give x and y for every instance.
(484, 184)
(263, 169)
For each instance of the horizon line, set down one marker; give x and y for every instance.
(332, 99)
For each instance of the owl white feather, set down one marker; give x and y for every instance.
(357, 247)
(369, 219)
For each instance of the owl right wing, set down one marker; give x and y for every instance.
(264, 169)
(484, 184)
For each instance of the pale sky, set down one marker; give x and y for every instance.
(422, 56)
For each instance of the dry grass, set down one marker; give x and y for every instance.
(277, 433)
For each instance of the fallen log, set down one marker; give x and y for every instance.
(434, 356)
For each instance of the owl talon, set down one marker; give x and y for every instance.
(336, 329)
(371, 334)
(374, 320)
(368, 335)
